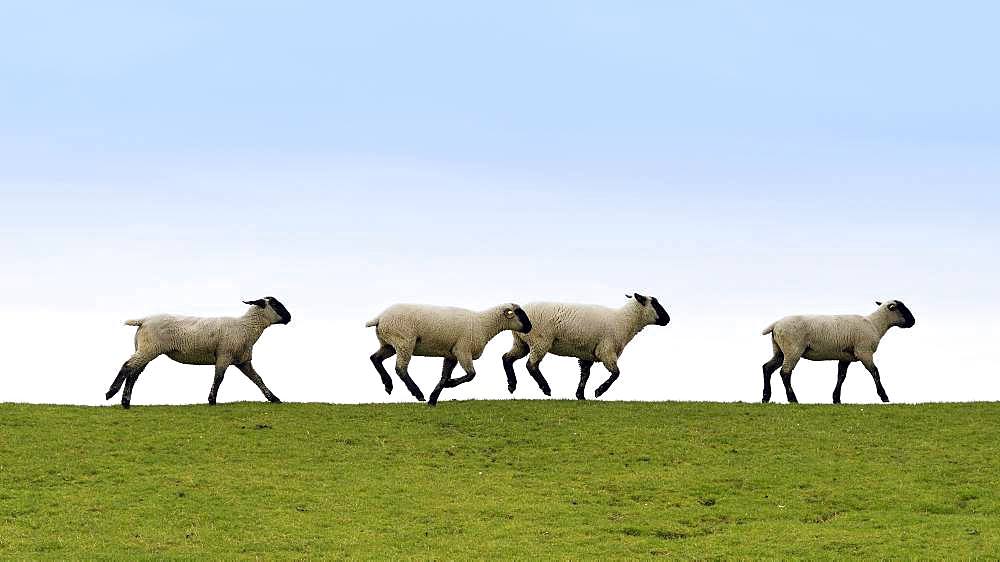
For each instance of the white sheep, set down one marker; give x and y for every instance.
(846, 339)
(201, 341)
(587, 332)
(456, 334)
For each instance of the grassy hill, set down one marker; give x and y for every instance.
(505, 479)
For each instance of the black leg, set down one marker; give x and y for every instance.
(129, 383)
(787, 366)
(585, 366)
(516, 353)
(119, 380)
(870, 365)
(384, 352)
(841, 375)
(404, 352)
(130, 371)
(470, 372)
(449, 366)
(607, 384)
(248, 370)
(536, 374)
(769, 368)
(410, 385)
(220, 372)
(786, 379)
(461, 380)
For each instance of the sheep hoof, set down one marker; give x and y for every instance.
(126, 406)
(580, 396)
(108, 395)
(511, 388)
(274, 400)
(884, 398)
(388, 389)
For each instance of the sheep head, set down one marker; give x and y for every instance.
(273, 308)
(515, 318)
(652, 309)
(901, 316)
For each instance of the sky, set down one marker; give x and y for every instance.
(741, 162)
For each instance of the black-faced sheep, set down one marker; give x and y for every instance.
(201, 341)
(845, 338)
(456, 334)
(589, 333)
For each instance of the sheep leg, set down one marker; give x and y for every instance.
(127, 393)
(248, 370)
(123, 373)
(384, 352)
(132, 368)
(449, 366)
(135, 364)
(769, 368)
(403, 355)
(117, 384)
(129, 383)
(612, 366)
(869, 364)
(516, 353)
(841, 375)
(787, 366)
(534, 359)
(585, 366)
(470, 372)
(220, 372)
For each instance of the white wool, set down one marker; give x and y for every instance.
(588, 332)
(844, 338)
(222, 342)
(456, 334)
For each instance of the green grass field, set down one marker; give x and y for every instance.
(504, 479)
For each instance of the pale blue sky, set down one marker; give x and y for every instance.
(518, 80)
(740, 161)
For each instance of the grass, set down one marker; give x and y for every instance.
(504, 479)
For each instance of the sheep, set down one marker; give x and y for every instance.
(456, 334)
(846, 339)
(589, 333)
(201, 341)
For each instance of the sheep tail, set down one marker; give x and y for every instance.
(768, 330)
(133, 323)
(372, 323)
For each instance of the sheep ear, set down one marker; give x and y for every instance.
(259, 302)
(641, 299)
(628, 296)
(878, 303)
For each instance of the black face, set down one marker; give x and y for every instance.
(662, 318)
(286, 316)
(908, 319)
(525, 323)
